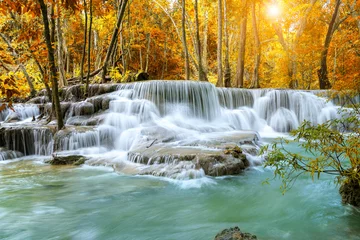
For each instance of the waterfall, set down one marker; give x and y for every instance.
(21, 112)
(168, 114)
(27, 140)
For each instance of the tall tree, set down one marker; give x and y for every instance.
(255, 82)
(84, 45)
(227, 78)
(324, 82)
(89, 49)
(113, 39)
(241, 57)
(202, 75)
(53, 70)
(60, 45)
(183, 30)
(219, 82)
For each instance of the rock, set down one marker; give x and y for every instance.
(105, 104)
(80, 109)
(13, 117)
(76, 92)
(234, 234)
(350, 193)
(85, 120)
(214, 162)
(65, 106)
(141, 76)
(39, 100)
(67, 160)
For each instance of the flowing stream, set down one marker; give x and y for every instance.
(39, 201)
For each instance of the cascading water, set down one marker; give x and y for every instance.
(165, 122)
(20, 111)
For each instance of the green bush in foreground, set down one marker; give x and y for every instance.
(332, 148)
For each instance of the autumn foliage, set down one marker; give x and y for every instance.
(291, 41)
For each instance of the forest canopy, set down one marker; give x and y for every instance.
(305, 44)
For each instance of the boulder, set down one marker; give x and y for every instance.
(67, 160)
(39, 100)
(214, 162)
(65, 106)
(350, 192)
(141, 76)
(234, 234)
(80, 109)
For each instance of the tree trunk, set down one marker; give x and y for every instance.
(255, 82)
(241, 58)
(324, 82)
(89, 50)
(202, 76)
(164, 66)
(186, 51)
(84, 46)
(52, 23)
(53, 70)
(227, 79)
(219, 82)
(148, 37)
(113, 38)
(205, 44)
(60, 44)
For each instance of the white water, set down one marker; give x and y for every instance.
(179, 114)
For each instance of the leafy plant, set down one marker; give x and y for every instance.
(330, 148)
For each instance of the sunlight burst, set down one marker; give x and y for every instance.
(274, 10)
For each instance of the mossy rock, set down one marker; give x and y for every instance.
(234, 234)
(67, 160)
(350, 193)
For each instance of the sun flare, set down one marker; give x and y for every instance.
(274, 10)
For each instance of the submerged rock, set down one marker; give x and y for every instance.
(67, 160)
(234, 234)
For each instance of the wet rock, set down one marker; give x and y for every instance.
(141, 76)
(77, 92)
(350, 192)
(80, 109)
(220, 164)
(105, 104)
(39, 100)
(85, 120)
(234, 234)
(65, 106)
(100, 102)
(73, 93)
(214, 162)
(67, 160)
